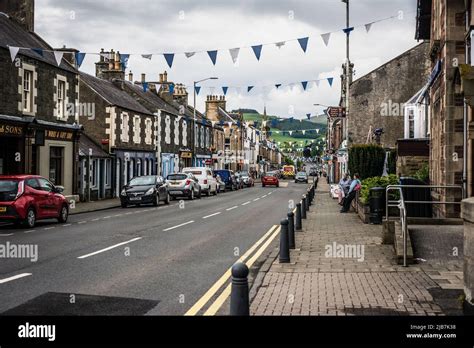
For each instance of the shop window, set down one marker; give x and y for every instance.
(56, 159)
(94, 174)
(27, 90)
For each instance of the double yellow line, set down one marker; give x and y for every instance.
(217, 304)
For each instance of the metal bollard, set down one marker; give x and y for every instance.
(239, 295)
(298, 222)
(303, 207)
(284, 242)
(309, 199)
(291, 230)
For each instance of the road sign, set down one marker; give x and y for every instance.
(336, 111)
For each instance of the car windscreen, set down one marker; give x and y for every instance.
(194, 172)
(244, 173)
(177, 177)
(301, 174)
(142, 181)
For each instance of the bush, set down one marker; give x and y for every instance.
(367, 160)
(423, 173)
(377, 181)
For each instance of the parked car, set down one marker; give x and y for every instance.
(301, 177)
(220, 183)
(270, 180)
(183, 185)
(239, 180)
(26, 199)
(246, 179)
(228, 177)
(206, 179)
(148, 189)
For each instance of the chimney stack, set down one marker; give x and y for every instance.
(22, 11)
(130, 76)
(213, 103)
(143, 78)
(109, 66)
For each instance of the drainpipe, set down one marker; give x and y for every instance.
(465, 121)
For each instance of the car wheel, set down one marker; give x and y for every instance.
(191, 195)
(263, 185)
(30, 219)
(123, 204)
(215, 192)
(278, 185)
(63, 214)
(168, 198)
(199, 194)
(156, 200)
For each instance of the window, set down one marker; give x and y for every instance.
(136, 129)
(61, 103)
(411, 123)
(125, 128)
(45, 185)
(27, 90)
(148, 131)
(32, 183)
(56, 165)
(95, 169)
(185, 133)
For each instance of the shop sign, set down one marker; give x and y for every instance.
(11, 130)
(186, 154)
(59, 135)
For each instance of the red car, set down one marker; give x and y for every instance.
(28, 198)
(270, 180)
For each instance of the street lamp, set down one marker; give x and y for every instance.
(194, 113)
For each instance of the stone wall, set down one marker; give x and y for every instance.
(468, 216)
(376, 99)
(409, 165)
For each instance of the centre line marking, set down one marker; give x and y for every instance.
(256, 199)
(208, 216)
(109, 248)
(172, 228)
(82, 222)
(248, 202)
(97, 219)
(264, 196)
(30, 231)
(232, 208)
(6, 235)
(18, 276)
(106, 217)
(65, 225)
(48, 228)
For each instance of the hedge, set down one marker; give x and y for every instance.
(378, 181)
(367, 160)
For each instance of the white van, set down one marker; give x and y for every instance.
(206, 180)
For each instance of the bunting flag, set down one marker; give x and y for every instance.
(213, 56)
(79, 58)
(278, 85)
(347, 31)
(257, 50)
(280, 44)
(303, 131)
(145, 86)
(326, 38)
(304, 84)
(169, 58)
(317, 131)
(124, 59)
(308, 116)
(197, 89)
(213, 123)
(13, 52)
(147, 56)
(224, 90)
(189, 54)
(303, 43)
(171, 89)
(58, 55)
(330, 80)
(368, 26)
(38, 50)
(230, 124)
(234, 54)
(249, 88)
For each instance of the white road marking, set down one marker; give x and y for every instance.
(97, 219)
(248, 202)
(65, 225)
(48, 228)
(30, 231)
(106, 217)
(264, 196)
(18, 276)
(82, 222)
(256, 199)
(172, 228)
(109, 248)
(232, 208)
(6, 235)
(118, 215)
(270, 193)
(208, 216)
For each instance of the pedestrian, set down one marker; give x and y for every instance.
(344, 185)
(353, 189)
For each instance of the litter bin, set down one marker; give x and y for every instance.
(376, 204)
(416, 194)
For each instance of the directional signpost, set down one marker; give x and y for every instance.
(336, 112)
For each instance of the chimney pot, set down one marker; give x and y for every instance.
(165, 76)
(161, 77)
(143, 78)
(130, 76)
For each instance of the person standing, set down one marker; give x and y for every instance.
(355, 186)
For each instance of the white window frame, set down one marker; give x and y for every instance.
(184, 133)
(125, 128)
(27, 88)
(136, 129)
(148, 131)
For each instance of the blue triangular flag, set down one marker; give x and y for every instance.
(330, 79)
(257, 50)
(38, 50)
(145, 86)
(269, 133)
(249, 88)
(171, 88)
(213, 56)
(224, 89)
(348, 30)
(304, 84)
(197, 89)
(278, 85)
(79, 58)
(308, 116)
(291, 119)
(221, 122)
(169, 58)
(124, 60)
(303, 43)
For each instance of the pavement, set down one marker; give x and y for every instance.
(341, 267)
(167, 260)
(87, 207)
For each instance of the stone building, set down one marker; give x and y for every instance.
(377, 98)
(38, 102)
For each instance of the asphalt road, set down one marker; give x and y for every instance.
(139, 260)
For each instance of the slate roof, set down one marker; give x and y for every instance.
(13, 34)
(113, 94)
(151, 97)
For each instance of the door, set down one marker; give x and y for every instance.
(162, 192)
(45, 199)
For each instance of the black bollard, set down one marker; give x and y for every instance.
(284, 242)
(303, 207)
(239, 295)
(309, 199)
(291, 230)
(298, 222)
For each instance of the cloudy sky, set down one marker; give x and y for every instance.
(159, 26)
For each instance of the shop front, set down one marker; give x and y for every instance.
(203, 161)
(130, 163)
(169, 164)
(185, 158)
(13, 132)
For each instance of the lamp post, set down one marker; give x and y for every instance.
(194, 113)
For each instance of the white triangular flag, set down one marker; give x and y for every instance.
(58, 55)
(368, 26)
(13, 52)
(229, 124)
(213, 123)
(326, 38)
(304, 132)
(189, 54)
(291, 132)
(234, 54)
(280, 44)
(317, 131)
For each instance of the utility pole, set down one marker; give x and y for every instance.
(348, 70)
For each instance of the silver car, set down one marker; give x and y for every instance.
(183, 185)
